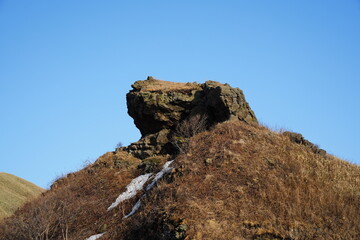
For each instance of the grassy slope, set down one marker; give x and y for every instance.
(14, 192)
(246, 182)
(236, 182)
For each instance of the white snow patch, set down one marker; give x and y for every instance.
(135, 208)
(160, 174)
(134, 186)
(94, 237)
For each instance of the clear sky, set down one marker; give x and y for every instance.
(66, 66)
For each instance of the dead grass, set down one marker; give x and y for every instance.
(14, 192)
(75, 207)
(245, 182)
(236, 181)
(154, 85)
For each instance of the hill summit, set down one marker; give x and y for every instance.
(158, 107)
(203, 169)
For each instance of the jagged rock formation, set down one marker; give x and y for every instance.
(157, 107)
(299, 139)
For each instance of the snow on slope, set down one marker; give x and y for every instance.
(134, 186)
(94, 237)
(166, 169)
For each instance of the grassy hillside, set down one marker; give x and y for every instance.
(236, 181)
(14, 192)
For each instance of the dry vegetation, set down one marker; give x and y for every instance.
(154, 85)
(246, 182)
(14, 192)
(187, 129)
(236, 181)
(75, 207)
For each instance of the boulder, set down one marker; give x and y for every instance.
(157, 108)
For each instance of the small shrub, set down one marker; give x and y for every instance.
(119, 145)
(188, 128)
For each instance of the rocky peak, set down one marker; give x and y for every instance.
(157, 107)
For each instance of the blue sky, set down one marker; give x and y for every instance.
(66, 66)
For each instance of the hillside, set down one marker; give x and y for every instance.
(14, 192)
(222, 179)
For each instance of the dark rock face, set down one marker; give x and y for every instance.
(299, 139)
(157, 107)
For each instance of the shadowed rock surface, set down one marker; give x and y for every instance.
(157, 107)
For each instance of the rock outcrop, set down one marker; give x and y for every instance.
(299, 139)
(157, 107)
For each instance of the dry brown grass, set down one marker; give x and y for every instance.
(154, 85)
(236, 181)
(75, 207)
(245, 182)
